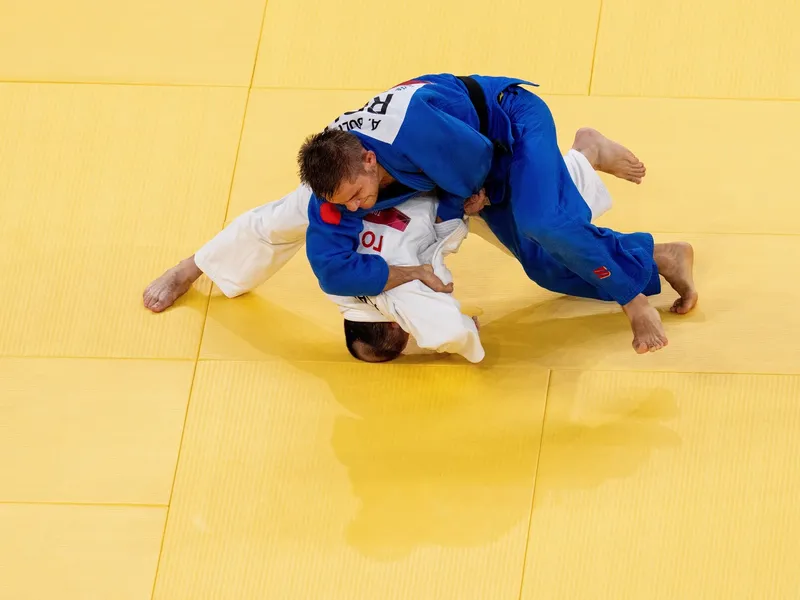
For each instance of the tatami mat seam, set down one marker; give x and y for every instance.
(594, 49)
(83, 504)
(95, 358)
(433, 365)
(517, 365)
(535, 478)
(123, 84)
(541, 90)
(208, 305)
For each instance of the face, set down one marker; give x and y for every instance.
(475, 204)
(362, 192)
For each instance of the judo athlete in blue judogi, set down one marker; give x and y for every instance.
(485, 141)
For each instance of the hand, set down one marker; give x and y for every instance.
(476, 203)
(426, 275)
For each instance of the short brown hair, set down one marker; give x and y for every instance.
(326, 158)
(375, 339)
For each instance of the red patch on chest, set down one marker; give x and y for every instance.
(391, 217)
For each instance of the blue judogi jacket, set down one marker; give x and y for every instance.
(426, 134)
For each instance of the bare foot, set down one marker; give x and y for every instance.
(608, 156)
(648, 333)
(676, 263)
(164, 291)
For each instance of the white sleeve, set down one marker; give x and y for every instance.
(434, 319)
(257, 244)
(449, 236)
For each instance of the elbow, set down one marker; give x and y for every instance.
(330, 283)
(340, 282)
(466, 342)
(326, 275)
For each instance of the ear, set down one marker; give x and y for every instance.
(369, 158)
(393, 325)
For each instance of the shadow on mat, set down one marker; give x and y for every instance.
(446, 454)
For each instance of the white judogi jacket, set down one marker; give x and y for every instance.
(258, 243)
(407, 236)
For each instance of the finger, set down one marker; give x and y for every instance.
(436, 284)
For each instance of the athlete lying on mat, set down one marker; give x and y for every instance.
(259, 242)
(379, 328)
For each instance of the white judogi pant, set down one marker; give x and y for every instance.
(258, 243)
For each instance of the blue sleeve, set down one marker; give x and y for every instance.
(450, 206)
(455, 156)
(331, 250)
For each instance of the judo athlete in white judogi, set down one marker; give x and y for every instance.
(379, 328)
(258, 243)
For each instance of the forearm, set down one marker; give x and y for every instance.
(423, 273)
(400, 275)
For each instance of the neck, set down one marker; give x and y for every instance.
(385, 178)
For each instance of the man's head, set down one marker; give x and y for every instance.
(339, 169)
(374, 342)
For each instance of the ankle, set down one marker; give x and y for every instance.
(638, 304)
(592, 154)
(189, 269)
(586, 143)
(661, 256)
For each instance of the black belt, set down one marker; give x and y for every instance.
(478, 99)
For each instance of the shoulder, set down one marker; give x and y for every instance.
(330, 213)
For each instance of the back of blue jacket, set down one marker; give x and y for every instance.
(425, 133)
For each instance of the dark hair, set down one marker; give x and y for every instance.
(374, 335)
(326, 158)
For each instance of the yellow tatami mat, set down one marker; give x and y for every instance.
(712, 167)
(233, 450)
(58, 414)
(684, 48)
(665, 486)
(102, 186)
(320, 44)
(383, 493)
(209, 42)
(78, 551)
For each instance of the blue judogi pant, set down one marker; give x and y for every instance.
(547, 225)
